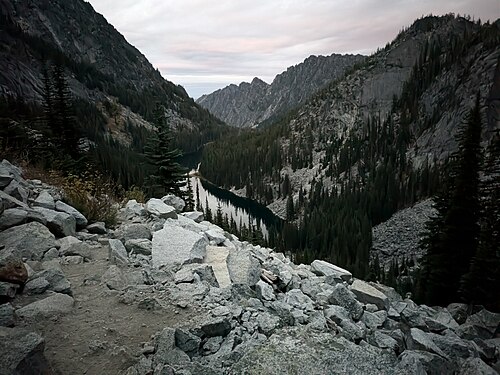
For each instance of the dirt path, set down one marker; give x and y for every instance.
(102, 335)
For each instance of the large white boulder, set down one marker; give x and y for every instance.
(366, 293)
(174, 245)
(322, 268)
(243, 267)
(176, 202)
(157, 208)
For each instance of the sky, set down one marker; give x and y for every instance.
(206, 45)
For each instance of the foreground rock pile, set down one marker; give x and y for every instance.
(259, 312)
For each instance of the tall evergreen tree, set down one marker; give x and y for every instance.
(167, 175)
(454, 236)
(189, 196)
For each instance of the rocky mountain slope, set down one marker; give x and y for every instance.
(115, 82)
(166, 292)
(250, 104)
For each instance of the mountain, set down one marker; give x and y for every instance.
(114, 86)
(251, 104)
(369, 144)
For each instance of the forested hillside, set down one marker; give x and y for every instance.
(369, 144)
(112, 88)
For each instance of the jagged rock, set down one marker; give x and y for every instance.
(368, 294)
(296, 298)
(264, 291)
(132, 232)
(29, 240)
(80, 219)
(212, 345)
(59, 223)
(344, 297)
(173, 201)
(15, 190)
(418, 362)
(297, 351)
(55, 304)
(7, 315)
(113, 278)
(284, 311)
(216, 327)
(73, 246)
(166, 352)
(72, 259)
(267, 322)
(21, 352)
(139, 246)
(186, 341)
(133, 208)
(194, 215)
(336, 314)
(97, 228)
(453, 346)
(45, 200)
(383, 341)
(117, 253)
(7, 290)
(420, 340)
(354, 332)
(56, 279)
(216, 258)
(156, 207)
(322, 268)
(51, 254)
(174, 245)
(445, 318)
(5, 179)
(37, 285)
(216, 236)
(192, 272)
(12, 217)
(243, 268)
(374, 320)
(477, 367)
(13, 271)
(486, 323)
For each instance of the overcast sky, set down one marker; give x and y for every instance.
(205, 45)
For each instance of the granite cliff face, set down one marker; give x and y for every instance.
(100, 65)
(251, 104)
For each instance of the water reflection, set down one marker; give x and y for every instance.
(243, 211)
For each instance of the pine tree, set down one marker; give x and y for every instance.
(219, 218)
(198, 201)
(189, 196)
(453, 235)
(482, 283)
(167, 175)
(290, 210)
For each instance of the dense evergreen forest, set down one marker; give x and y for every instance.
(369, 167)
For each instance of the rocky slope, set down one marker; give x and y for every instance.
(166, 292)
(250, 104)
(103, 69)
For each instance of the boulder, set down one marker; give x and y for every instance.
(295, 350)
(475, 366)
(383, 341)
(12, 217)
(7, 291)
(139, 246)
(45, 200)
(117, 253)
(81, 221)
(186, 341)
(21, 352)
(59, 223)
(7, 315)
(418, 362)
(322, 268)
(166, 351)
(175, 245)
(374, 320)
(296, 298)
(114, 279)
(56, 279)
(97, 228)
(486, 322)
(342, 296)
(459, 312)
(366, 293)
(264, 291)
(55, 304)
(176, 202)
(216, 236)
(216, 327)
(156, 207)
(13, 271)
(73, 246)
(216, 258)
(354, 332)
(29, 240)
(11, 202)
(37, 285)
(336, 314)
(132, 232)
(133, 208)
(212, 345)
(243, 268)
(267, 322)
(420, 340)
(15, 190)
(194, 215)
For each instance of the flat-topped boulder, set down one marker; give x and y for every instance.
(60, 223)
(29, 240)
(366, 293)
(157, 207)
(243, 267)
(80, 219)
(322, 268)
(45, 200)
(175, 245)
(55, 304)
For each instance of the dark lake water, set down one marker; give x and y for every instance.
(242, 210)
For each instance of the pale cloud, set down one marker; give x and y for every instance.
(206, 45)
